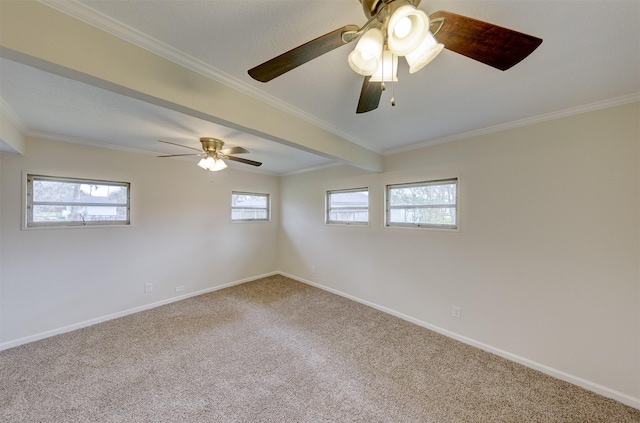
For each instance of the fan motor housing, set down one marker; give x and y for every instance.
(372, 7)
(211, 144)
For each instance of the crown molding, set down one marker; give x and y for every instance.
(605, 104)
(86, 142)
(90, 16)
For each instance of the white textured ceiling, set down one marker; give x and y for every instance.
(590, 55)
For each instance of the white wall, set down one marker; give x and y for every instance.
(545, 265)
(181, 234)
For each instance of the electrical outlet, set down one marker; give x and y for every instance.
(314, 269)
(180, 288)
(148, 287)
(455, 312)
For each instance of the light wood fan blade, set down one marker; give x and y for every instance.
(245, 161)
(369, 96)
(490, 44)
(300, 55)
(234, 150)
(180, 145)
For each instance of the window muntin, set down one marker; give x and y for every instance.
(54, 201)
(249, 206)
(348, 207)
(431, 204)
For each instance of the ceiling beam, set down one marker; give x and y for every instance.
(11, 137)
(39, 36)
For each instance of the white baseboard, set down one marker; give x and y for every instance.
(90, 322)
(558, 374)
(583, 383)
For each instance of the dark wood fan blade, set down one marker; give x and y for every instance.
(369, 96)
(300, 55)
(234, 150)
(180, 145)
(487, 43)
(179, 155)
(245, 161)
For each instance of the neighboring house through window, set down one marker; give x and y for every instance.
(55, 201)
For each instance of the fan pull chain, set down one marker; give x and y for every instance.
(393, 94)
(393, 85)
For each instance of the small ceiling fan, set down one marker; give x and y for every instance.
(398, 28)
(213, 154)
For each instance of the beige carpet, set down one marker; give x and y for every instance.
(276, 350)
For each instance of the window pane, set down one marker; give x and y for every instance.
(429, 204)
(247, 200)
(349, 215)
(249, 206)
(53, 201)
(248, 214)
(348, 199)
(439, 216)
(348, 206)
(76, 192)
(423, 195)
(78, 213)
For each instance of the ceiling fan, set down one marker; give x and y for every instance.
(398, 28)
(213, 154)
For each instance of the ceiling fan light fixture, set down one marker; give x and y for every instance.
(424, 54)
(212, 163)
(212, 154)
(406, 29)
(388, 71)
(365, 58)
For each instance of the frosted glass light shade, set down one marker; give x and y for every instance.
(388, 71)
(212, 164)
(425, 53)
(219, 165)
(406, 30)
(203, 164)
(364, 59)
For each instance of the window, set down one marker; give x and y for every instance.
(430, 204)
(53, 201)
(248, 206)
(348, 207)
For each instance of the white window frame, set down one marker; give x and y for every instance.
(30, 203)
(254, 194)
(389, 206)
(328, 208)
